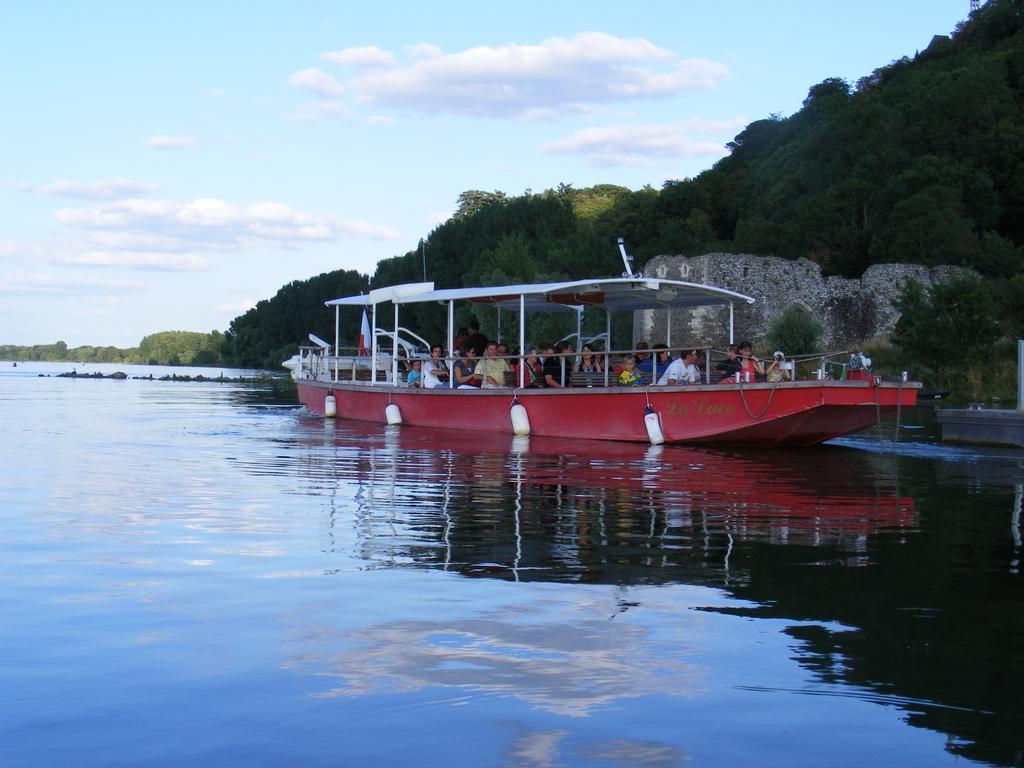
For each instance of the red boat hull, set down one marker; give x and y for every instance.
(767, 415)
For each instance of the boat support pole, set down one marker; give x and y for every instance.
(394, 353)
(451, 343)
(732, 339)
(373, 347)
(608, 343)
(522, 340)
(668, 329)
(337, 320)
(1020, 374)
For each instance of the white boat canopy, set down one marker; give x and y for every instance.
(611, 294)
(620, 293)
(379, 295)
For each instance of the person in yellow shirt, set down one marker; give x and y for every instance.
(491, 369)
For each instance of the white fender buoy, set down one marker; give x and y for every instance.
(392, 414)
(653, 423)
(330, 406)
(520, 419)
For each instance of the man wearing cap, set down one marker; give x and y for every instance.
(682, 371)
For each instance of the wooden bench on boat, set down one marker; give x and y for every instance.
(588, 379)
(362, 374)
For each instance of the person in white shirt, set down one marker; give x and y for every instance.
(435, 373)
(683, 370)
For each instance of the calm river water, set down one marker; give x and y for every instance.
(201, 574)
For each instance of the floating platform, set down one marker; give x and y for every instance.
(982, 425)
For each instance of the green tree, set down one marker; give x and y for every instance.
(950, 330)
(474, 200)
(795, 331)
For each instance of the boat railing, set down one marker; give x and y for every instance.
(821, 365)
(351, 364)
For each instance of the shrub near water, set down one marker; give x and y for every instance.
(952, 332)
(795, 332)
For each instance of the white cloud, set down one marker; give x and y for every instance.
(366, 56)
(164, 262)
(558, 75)
(147, 241)
(632, 144)
(236, 307)
(8, 248)
(424, 51)
(50, 283)
(101, 189)
(316, 80)
(317, 110)
(170, 235)
(171, 142)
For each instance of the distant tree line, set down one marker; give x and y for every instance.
(165, 348)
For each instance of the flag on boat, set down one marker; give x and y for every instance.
(364, 336)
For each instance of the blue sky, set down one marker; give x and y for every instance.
(165, 166)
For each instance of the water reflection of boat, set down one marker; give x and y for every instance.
(490, 504)
(774, 531)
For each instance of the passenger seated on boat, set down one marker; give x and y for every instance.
(729, 367)
(750, 366)
(776, 371)
(630, 376)
(465, 369)
(403, 364)
(553, 374)
(533, 371)
(435, 372)
(475, 338)
(655, 364)
(502, 349)
(642, 357)
(414, 377)
(492, 369)
(589, 362)
(682, 371)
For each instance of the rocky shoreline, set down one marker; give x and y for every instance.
(120, 375)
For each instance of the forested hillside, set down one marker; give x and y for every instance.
(272, 330)
(920, 161)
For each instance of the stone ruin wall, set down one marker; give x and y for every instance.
(850, 310)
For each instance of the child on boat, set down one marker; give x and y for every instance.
(415, 377)
(630, 376)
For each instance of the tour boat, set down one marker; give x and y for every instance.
(369, 387)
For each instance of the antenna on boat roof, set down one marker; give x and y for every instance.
(627, 260)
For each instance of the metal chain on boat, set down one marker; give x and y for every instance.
(899, 412)
(899, 409)
(878, 412)
(767, 405)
